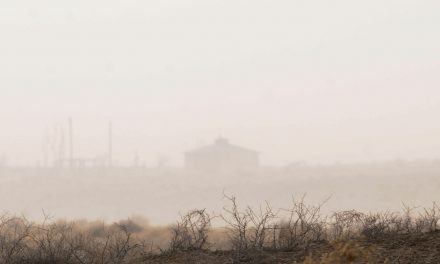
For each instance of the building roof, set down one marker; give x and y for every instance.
(220, 145)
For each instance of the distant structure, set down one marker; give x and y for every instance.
(220, 157)
(54, 149)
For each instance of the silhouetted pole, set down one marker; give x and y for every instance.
(70, 142)
(62, 145)
(110, 144)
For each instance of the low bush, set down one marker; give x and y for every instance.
(247, 231)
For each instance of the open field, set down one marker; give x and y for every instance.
(395, 218)
(162, 194)
(300, 233)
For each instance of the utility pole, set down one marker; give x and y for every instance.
(70, 142)
(110, 144)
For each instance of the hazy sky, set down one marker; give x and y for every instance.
(313, 80)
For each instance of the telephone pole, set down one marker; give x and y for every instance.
(110, 144)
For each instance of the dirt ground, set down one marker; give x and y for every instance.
(399, 249)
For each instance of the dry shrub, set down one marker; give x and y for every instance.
(22, 241)
(260, 226)
(304, 224)
(14, 237)
(376, 225)
(345, 224)
(238, 226)
(248, 230)
(430, 217)
(191, 232)
(130, 225)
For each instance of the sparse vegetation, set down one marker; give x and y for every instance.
(299, 233)
(191, 232)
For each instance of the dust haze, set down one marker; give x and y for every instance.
(114, 109)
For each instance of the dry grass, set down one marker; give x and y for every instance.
(298, 233)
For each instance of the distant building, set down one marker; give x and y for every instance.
(221, 156)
